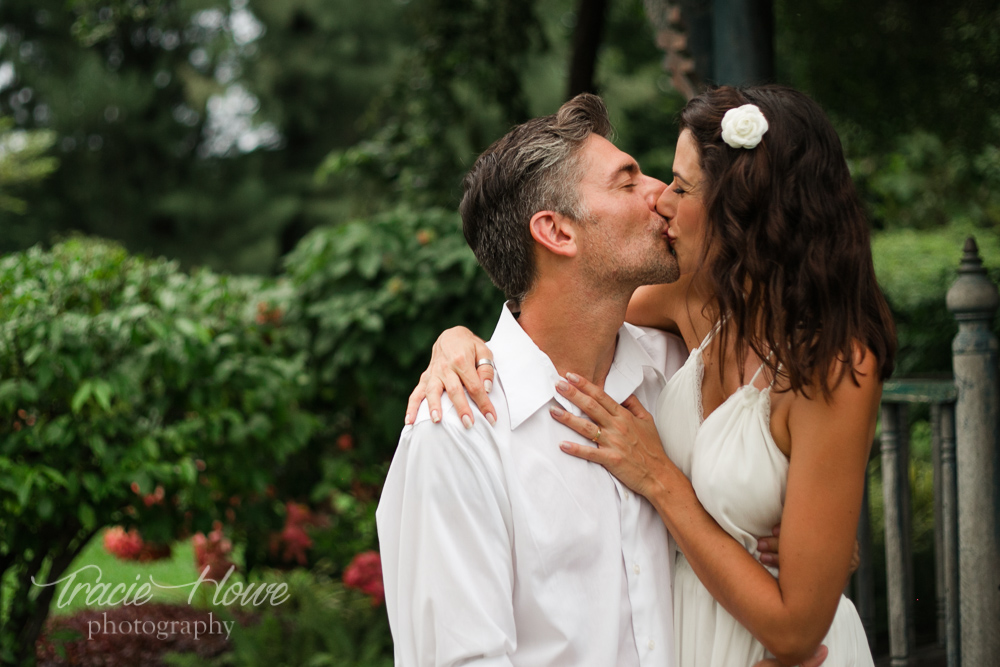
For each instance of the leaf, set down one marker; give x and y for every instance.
(35, 351)
(25, 490)
(102, 392)
(151, 447)
(81, 396)
(98, 445)
(45, 507)
(87, 516)
(186, 327)
(9, 390)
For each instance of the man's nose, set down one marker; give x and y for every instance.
(654, 190)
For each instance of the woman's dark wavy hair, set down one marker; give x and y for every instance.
(787, 249)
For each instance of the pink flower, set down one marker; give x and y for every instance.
(365, 574)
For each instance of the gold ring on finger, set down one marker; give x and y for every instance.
(594, 439)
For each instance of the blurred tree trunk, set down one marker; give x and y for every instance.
(743, 41)
(727, 42)
(590, 16)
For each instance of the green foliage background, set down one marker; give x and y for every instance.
(324, 210)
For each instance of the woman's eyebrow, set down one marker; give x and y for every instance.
(682, 179)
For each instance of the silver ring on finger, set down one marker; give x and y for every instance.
(594, 439)
(485, 362)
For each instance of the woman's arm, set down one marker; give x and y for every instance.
(652, 306)
(830, 444)
(452, 368)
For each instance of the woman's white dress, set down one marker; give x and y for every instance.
(739, 475)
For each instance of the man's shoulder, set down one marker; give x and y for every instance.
(449, 438)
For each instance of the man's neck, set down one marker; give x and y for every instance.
(578, 332)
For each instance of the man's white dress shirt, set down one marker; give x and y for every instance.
(499, 549)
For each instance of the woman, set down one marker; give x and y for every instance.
(772, 416)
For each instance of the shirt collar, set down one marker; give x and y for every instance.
(529, 377)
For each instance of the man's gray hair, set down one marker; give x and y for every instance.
(534, 167)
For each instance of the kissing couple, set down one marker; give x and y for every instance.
(678, 370)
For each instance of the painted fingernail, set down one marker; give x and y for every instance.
(761, 545)
(407, 420)
(557, 412)
(491, 419)
(488, 385)
(562, 386)
(435, 416)
(467, 421)
(573, 377)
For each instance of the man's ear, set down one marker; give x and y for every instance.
(555, 232)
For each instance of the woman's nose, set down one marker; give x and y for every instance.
(665, 202)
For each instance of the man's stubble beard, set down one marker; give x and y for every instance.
(616, 274)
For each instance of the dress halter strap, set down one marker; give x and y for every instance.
(711, 334)
(761, 369)
(756, 375)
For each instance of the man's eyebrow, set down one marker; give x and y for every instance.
(630, 168)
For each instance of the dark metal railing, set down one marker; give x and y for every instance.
(894, 450)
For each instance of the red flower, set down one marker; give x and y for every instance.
(129, 545)
(121, 544)
(365, 574)
(213, 552)
(293, 541)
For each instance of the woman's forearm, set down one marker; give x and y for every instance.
(733, 577)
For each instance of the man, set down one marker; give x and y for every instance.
(498, 548)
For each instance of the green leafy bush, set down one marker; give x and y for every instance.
(118, 375)
(373, 295)
(927, 183)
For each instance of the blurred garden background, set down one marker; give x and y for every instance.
(228, 239)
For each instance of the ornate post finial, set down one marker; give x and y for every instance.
(973, 296)
(971, 262)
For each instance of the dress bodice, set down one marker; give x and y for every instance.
(740, 476)
(734, 465)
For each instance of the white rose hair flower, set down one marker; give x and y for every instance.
(743, 126)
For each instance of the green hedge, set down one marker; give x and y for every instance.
(915, 269)
(119, 375)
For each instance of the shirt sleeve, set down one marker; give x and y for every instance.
(446, 543)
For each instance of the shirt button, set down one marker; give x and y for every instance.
(635, 568)
(652, 644)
